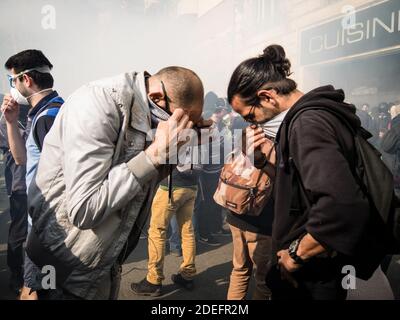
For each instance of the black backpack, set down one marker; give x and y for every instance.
(396, 169)
(374, 178)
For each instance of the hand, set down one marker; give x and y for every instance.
(268, 150)
(287, 266)
(203, 124)
(287, 276)
(206, 129)
(254, 138)
(168, 138)
(286, 261)
(10, 109)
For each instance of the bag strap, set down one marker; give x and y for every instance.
(259, 178)
(353, 166)
(52, 110)
(267, 160)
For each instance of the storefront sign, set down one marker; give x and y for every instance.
(371, 29)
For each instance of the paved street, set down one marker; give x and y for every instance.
(213, 266)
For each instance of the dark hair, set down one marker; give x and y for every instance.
(270, 70)
(30, 59)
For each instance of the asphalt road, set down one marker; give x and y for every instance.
(213, 266)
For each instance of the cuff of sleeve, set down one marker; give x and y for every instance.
(142, 168)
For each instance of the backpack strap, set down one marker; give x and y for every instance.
(357, 134)
(353, 166)
(51, 110)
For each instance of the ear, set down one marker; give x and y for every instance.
(267, 95)
(28, 81)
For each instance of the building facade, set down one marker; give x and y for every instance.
(352, 44)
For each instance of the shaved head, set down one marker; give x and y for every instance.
(183, 85)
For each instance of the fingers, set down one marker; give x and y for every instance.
(183, 135)
(9, 100)
(253, 130)
(180, 120)
(253, 147)
(285, 274)
(258, 143)
(5, 104)
(8, 103)
(255, 143)
(205, 123)
(257, 138)
(251, 133)
(184, 121)
(178, 115)
(254, 133)
(190, 125)
(8, 97)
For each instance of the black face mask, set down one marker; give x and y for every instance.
(157, 113)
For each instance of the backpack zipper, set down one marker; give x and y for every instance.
(237, 186)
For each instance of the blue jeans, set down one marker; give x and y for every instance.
(32, 274)
(16, 189)
(175, 238)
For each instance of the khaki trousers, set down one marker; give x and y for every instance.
(251, 251)
(161, 213)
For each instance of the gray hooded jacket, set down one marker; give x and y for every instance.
(94, 185)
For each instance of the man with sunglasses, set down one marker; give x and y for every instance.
(98, 175)
(31, 84)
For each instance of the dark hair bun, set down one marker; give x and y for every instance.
(276, 55)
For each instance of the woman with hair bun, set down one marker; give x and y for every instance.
(321, 216)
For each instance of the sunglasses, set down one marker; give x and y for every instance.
(13, 78)
(251, 115)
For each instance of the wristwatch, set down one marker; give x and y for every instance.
(294, 246)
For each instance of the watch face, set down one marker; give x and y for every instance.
(293, 246)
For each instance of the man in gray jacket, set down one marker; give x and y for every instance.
(98, 174)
